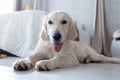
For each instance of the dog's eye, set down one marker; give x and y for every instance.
(50, 22)
(64, 22)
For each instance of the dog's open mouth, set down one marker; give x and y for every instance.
(57, 47)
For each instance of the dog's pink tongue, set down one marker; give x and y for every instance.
(57, 47)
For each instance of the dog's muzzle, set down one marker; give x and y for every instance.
(57, 44)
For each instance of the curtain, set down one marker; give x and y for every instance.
(101, 40)
(40, 5)
(17, 5)
(37, 4)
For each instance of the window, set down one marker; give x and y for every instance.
(6, 6)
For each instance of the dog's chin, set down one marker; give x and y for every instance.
(57, 46)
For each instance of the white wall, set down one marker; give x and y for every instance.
(82, 11)
(114, 14)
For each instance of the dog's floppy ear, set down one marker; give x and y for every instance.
(44, 33)
(72, 33)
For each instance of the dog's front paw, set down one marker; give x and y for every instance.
(44, 65)
(22, 65)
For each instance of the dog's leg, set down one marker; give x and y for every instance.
(29, 62)
(101, 58)
(56, 62)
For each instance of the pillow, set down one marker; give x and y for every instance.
(19, 31)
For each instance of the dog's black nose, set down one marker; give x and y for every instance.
(57, 36)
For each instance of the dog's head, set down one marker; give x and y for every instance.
(58, 27)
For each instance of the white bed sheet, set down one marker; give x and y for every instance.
(19, 31)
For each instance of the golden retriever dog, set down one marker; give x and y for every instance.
(57, 48)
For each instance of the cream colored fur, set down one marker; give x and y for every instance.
(73, 52)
